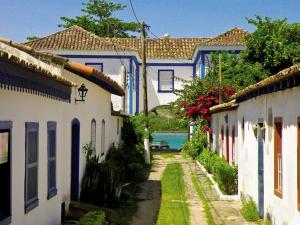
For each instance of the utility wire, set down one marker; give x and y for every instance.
(134, 13)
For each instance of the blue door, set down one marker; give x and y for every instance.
(75, 136)
(260, 171)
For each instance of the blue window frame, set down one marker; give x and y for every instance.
(165, 81)
(52, 190)
(97, 66)
(31, 166)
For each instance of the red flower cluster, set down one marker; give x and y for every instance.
(204, 102)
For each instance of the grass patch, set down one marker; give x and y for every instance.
(174, 209)
(203, 199)
(93, 218)
(249, 211)
(123, 214)
(166, 155)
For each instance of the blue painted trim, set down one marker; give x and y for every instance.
(125, 57)
(95, 64)
(52, 190)
(99, 56)
(11, 81)
(130, 87)
(165, 91)
(137, 92)
(202, 74)
(194, 71)
(32, 203)
(169, 64)
(75, 151)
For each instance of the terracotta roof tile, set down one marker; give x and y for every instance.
(73, 38)
(227, 106)
(281, 75)
(235, 36)
(23, 58)
(101, 79)
(76, 38)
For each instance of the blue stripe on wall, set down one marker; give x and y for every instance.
(202, 65)
(137, 84)
(130, 87)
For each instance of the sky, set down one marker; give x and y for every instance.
(179, 18)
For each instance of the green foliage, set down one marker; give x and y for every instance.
(194, 147)
(104, 183)
(249, 211)
(135, 129)
(32, 38)
(92, 218)
(205, 202)
(98, 18)
(224, 174)
(236, 72)
(275, 44)
(167, 155)
(267, 222)
(162, 123)
(174, 209)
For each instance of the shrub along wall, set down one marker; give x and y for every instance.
(224, 174)
(103, 183)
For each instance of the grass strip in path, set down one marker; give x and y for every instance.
(167, 155)
(174, 209)
(203, 199)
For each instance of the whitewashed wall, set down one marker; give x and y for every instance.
(154, 97)
(23, 107)
(115, 133)
(283, 211)
(20, 108)
(218, 121)
(113, 68)
(97, 106)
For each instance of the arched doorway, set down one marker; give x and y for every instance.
(75, 147)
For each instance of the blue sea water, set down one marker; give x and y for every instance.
(175, 140)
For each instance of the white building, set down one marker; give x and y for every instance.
(169, 60)
(223, 140)
(43, 129)
(268, 142)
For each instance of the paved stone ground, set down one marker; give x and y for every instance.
(150, 195)
(197, 214)
(224, 212)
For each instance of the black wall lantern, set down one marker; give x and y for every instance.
(82, 91)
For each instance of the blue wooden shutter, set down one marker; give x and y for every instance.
(31, 163)
(52, 190)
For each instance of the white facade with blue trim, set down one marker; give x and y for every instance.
(42, 132)
(124, 66)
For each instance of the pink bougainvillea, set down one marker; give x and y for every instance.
(200, 109)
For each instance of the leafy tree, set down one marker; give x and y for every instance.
(98, 18)
(32, 38)
(275, 44)
(236, 71)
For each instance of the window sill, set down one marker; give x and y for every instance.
(165, 91)
(278, 193)
(30, 206)
(5, 221)
(52, 193)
